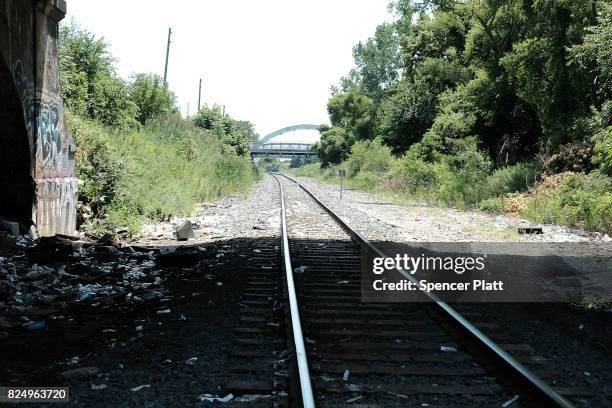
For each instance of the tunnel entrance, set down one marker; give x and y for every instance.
(17, 188)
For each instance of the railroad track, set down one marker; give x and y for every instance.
(306, 339)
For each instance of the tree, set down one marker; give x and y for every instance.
(333, 147)
(378, 61)
(152, 97)
(235, 134)
(354, 112)
(90, 86)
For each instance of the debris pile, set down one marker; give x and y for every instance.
(53, 276)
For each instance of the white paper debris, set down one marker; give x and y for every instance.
(140, 387)
(215, 398)
(448, 348)
(510, 401)
(345, 377)
(354, 399)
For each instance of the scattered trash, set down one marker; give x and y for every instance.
(448, 348)
(191, 361)
(164, 311)
(354, 399)
(510, 401)
(215, 398)
(587, 373)
(581, 327)
(252, 397)
(395, 394)
(140, 387)
(354, 387)
(345, 376)
(219, 283)
(342, 282)
(299, 269)
(98, 387)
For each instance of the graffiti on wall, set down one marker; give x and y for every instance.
(44, 122)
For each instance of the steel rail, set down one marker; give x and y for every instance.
(544, 393)
(298, 337)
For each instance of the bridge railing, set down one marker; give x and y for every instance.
(284, 146)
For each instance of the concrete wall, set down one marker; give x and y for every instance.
(37, 179)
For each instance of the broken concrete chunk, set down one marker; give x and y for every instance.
(183, 231)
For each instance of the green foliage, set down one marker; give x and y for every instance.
(92, 89)
(236, 135)
(601, 124)
(333, 147)
(603, 151)
(98, 171)
(151, 97)
(84, 59)
(510, 179)
(378, 61)
(152, 173)
(368, 156)
(581, 200)
(89, 84)
(354, 112)
(299, 161)
(417, 177)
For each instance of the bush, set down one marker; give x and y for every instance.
(579, 200)
(468, 168)
(98, 172)
(510, 179)
(416, 176)
(493, 204)
(603, 151)
(369, 156)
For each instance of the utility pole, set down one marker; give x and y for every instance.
(199, 94)
(167, 54)
(223, 110)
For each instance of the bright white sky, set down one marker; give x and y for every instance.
(271, 62)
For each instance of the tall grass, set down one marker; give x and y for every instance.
(161, 170)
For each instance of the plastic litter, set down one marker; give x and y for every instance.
(448, 348)
(345, 376)
(354, 399)
(191, 361)
(98, 387)
(140, 387)
(215, 398)
(510, 401)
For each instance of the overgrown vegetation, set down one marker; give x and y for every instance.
(471, 103)
(137, 159)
